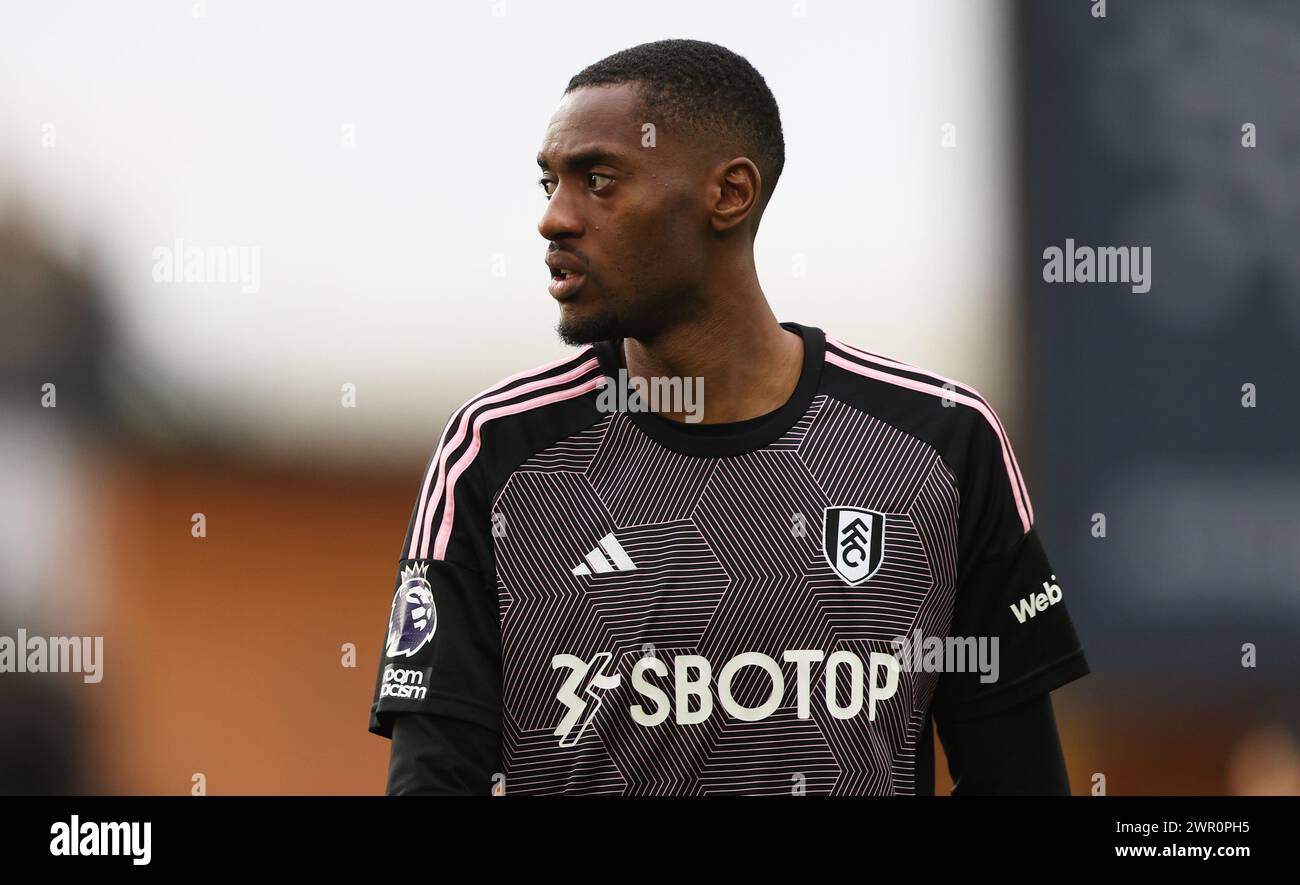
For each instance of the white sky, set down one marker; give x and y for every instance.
(376, 260)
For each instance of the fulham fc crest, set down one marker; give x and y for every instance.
(853, 542)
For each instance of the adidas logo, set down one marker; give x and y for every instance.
(599, 564)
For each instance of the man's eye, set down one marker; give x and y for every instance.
(595, 179)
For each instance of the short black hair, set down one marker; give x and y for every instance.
(702, 88)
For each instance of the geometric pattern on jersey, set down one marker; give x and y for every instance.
(720, 570)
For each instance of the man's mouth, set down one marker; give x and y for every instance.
(564, 283)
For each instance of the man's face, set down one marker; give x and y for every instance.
(627, 215)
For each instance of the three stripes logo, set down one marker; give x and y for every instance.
(596, 562)
(853, 541)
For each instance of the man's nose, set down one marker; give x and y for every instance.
(560, 220)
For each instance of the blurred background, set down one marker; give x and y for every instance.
(362, 180)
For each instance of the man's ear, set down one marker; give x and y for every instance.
(738, 187)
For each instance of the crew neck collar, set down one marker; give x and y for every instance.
(731, 438)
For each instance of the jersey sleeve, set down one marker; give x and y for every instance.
(441, 651)
(1016, 752)
(442, 756)
(1007, 591)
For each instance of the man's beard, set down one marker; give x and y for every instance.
(604, 325)
(641, 322)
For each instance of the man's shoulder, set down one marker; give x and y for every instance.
(953, 417)
(948, 414)
(534, 389)
(509, 420)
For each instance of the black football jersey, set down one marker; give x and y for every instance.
(637, 605)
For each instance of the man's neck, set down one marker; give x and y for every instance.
(749, 363)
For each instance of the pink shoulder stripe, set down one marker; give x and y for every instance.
(459, 419)
(1017, 477)
(1022, 500)
(463, 463)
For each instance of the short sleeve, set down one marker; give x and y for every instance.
(441, 651)
(1007, 593)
